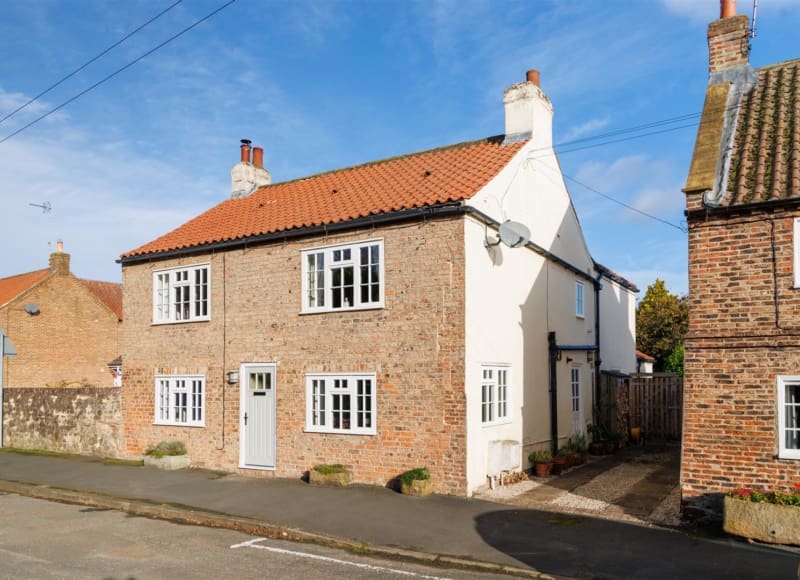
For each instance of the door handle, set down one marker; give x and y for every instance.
(245, 418)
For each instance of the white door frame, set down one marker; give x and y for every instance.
(243, 369)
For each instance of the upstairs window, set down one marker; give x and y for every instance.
(341, 403)
(343, 277)
(796, 248)
(181, 294)
(579, 299)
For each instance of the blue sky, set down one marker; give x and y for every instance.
(327, 84)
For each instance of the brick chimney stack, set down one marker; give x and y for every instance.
(59, 260)
(728, 44)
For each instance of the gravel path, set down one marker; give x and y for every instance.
(632, 491)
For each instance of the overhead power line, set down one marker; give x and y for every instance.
(625, 205)
(83, 66)
(118, 71)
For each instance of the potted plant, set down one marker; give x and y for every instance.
(772, 517)
(579, 447)
(542, 461)
(334, 475)
(561, 461)
(167, 455)
(416, 482)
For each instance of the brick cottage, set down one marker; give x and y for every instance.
(742, 373)
(371, 316)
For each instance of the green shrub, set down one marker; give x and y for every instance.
(414, 474)
(329, 468)
(578, 443)
(166, 448)
(540, 456)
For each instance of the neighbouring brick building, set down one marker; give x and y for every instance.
(66, 329)
(742, 358)
(372, 316)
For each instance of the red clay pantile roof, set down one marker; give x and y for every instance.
(109, 293)
(412, 181)
(13, 286)
(765, 159)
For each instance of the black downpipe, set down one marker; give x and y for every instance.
(553, 350)
(597, 287)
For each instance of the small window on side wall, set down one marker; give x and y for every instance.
(796, 252)
(579, 299)
(789, 417)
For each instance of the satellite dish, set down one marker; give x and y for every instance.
(32, 309)
(514, 234)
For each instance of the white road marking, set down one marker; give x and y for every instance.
(255, 544)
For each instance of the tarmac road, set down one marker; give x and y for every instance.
(41, 539)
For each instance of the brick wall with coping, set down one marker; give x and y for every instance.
(744, 331)
(415, 345)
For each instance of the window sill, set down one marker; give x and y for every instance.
(497, 423)
(162, 424)
(339, 432)
(343, 310)
(208, 319)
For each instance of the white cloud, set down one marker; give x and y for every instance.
(590, 127)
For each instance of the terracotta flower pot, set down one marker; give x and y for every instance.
(542, 469)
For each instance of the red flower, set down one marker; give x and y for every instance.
(742, 491)
(797, 485)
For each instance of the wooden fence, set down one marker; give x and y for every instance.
(652, 402)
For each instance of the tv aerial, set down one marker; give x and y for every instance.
(44, 206)
(512, 234)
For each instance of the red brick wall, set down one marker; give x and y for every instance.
(744, 331)
(68, 344)
(728, 43)
(415, 345)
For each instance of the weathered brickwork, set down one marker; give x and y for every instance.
(744, 332)
(69, 343)
(415, 345)
(86, 421)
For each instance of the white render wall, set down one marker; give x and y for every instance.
(514, 297)
(617, 327)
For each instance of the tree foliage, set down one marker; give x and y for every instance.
(662, 319)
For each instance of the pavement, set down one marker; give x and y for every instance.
(437, 530)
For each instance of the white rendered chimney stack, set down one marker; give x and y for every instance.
(249, 174)
(529, 111)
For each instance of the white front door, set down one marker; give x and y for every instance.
(257, 424)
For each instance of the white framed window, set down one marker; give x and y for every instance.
(181, 294)
(180, 400)
(575, 382)
(789, 417)
(494, 394)
(796, 251)
(343, 277)
(341, 403)
(579, 299)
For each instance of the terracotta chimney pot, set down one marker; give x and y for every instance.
(532, 76)
(727, 8)
(245, 146)
(258, 157)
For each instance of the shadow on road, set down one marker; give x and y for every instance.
(585, 547)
